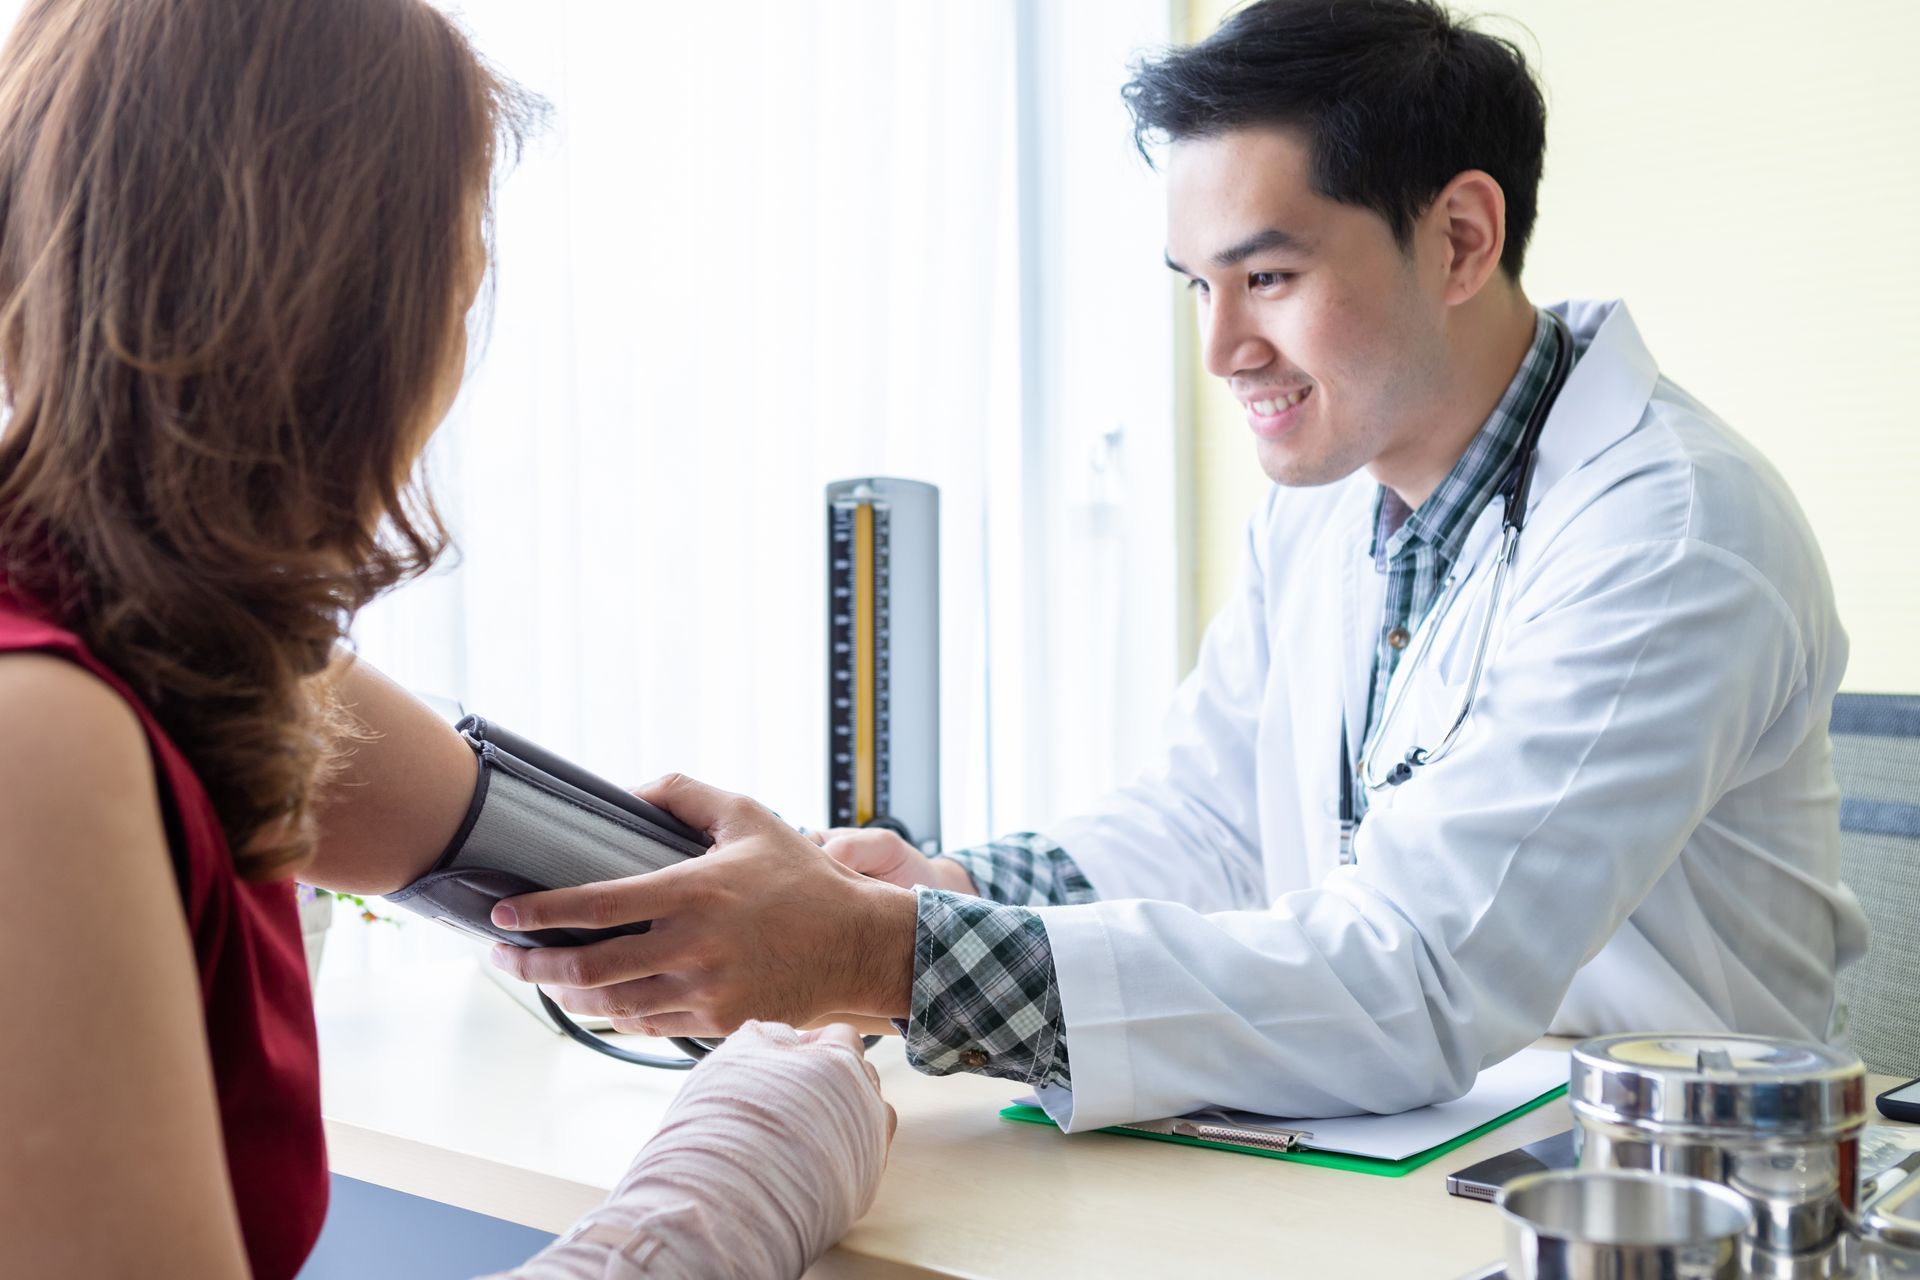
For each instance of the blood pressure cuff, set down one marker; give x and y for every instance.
(539, 822)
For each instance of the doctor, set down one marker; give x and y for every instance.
(1417, 805)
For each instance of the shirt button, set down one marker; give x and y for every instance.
(973, 1059)
(1398, 637)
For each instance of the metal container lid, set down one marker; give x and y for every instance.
(1718, 1085)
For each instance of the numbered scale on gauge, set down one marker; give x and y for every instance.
(883, 659)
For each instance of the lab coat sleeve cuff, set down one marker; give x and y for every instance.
(1092, 1003)
(984, 997)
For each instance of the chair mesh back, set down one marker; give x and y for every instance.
(1876, 753)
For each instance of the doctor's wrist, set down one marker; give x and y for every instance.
(950, 875)
(889, 916)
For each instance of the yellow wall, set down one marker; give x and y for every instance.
(1746, 173)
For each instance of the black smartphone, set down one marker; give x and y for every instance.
(1483, 1181)
(1902, 1102)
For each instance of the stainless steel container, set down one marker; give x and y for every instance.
(1621, 1225)
(1890, 1233)
(1777, 1121)
(1839, 1260)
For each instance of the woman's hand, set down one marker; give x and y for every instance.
(882, 855)
(773, 1148)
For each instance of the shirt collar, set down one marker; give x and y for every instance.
(1444, 519)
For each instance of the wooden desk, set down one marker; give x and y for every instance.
(436, 1083)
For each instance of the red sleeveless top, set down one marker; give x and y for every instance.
(253, 990)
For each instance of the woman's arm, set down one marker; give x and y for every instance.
(109, 1133)
(388, 815)
(772, 1150)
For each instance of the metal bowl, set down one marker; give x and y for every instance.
(1621, 1224)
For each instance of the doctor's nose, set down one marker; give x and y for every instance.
(1229, 344)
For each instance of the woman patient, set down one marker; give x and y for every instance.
(238, 243)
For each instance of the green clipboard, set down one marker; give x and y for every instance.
(1324, 1159)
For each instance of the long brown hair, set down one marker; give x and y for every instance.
(237, 243)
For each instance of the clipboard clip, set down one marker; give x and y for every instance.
(1219, 1127)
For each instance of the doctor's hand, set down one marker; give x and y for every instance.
(764, 925)
(883, 855)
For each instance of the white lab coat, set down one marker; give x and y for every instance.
(1639, 829)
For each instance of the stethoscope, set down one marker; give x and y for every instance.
(1513, 518)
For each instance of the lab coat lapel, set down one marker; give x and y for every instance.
(1481, 540)
(1605, 396)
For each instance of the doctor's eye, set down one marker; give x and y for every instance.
(1269, 279)
(1196, 285)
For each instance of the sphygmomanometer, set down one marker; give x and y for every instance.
(537, 821)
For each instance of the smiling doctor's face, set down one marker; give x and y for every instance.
(1328, 332)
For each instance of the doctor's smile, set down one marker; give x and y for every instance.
(1273, 413)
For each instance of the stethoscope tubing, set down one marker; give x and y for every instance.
(1513, 519)
(695, 1048)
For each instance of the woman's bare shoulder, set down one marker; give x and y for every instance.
(68, 743)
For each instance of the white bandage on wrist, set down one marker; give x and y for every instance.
(772, 1150)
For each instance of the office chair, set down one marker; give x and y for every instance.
(1876, 755)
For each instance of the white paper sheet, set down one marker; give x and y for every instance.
(1500, 1088)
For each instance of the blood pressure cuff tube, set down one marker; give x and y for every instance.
(539, 822)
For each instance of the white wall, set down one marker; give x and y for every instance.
(1747, 176)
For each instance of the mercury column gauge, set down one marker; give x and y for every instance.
(883, 657)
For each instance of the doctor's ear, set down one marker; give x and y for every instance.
(1468, 218)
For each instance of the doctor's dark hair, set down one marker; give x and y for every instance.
(238, 241)
(1395, 97)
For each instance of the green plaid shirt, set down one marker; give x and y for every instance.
(985, 994)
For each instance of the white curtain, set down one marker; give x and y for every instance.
(758, 249)
(1091, 573)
